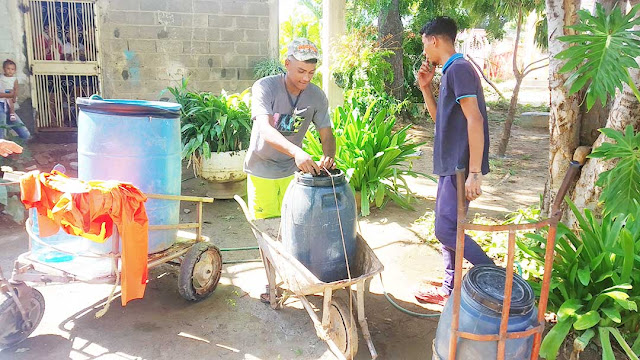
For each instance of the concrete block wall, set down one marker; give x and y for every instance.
(147, 45)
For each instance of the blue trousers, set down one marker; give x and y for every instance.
(446, 228)
(17, 125)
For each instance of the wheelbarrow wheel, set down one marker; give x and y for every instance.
(13, 328)
(200, 272)
(343, 329)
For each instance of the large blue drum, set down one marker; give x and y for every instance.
(481, 311)
(138, 142)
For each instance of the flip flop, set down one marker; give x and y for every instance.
(430, 295)
(12, 117)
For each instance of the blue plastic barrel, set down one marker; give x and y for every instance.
(310, 228)
(481, 311)
(134, 141)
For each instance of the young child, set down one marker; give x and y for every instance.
(8, 97)
(9, 85)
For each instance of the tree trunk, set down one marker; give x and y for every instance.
(624, 111)
(390, 33)
(564, 120)
(511, 114)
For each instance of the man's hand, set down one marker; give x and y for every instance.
(9, 147)
(425, 75)
(327, 162)
(305, 163)
(473, 186)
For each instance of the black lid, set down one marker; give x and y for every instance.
(485, 285)
(321, 180)
(125, 107)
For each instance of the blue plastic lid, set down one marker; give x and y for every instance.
(128, 107)
(485, 285)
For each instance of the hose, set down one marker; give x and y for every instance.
(406, 311)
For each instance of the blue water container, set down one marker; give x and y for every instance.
(134, 141)
(481, 311)
(310, 228)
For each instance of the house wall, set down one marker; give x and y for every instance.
(148, 45)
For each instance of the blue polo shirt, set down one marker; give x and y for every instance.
(451, 142)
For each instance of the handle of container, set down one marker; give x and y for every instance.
(95, 97)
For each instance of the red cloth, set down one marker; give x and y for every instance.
(90, 209)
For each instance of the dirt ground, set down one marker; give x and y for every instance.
(233, 323)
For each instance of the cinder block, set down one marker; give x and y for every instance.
(221, 22)
(139, 18)
(236, 61)
(167, 18)
(200, 21)
(181, 6)
(264, 23)
(153, 5)
(126, 32)
(169, 46)
(245, 74)
(220, 47)
(212, 34)
(124, 5)
(145, 46)
(247, 48)
(209, 61)
(534, 119)
(256, 35)
(247, 22)
(206, 7)
(196, 47)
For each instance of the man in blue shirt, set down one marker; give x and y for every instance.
(461, 140)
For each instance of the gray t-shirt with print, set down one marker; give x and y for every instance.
(270, 97)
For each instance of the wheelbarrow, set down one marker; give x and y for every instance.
(22, 306)
(336, 325)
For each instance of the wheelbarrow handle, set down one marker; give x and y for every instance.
(574, 167)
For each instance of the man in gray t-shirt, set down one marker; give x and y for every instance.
(282, 108)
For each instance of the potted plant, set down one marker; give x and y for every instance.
(215, 136)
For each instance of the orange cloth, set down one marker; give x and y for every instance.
(90, 209)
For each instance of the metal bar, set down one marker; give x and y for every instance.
(175, 226)
(511, 227)
(240, 261)
(496, 337)
(179, 197)
(241, 248)
(362, 320)
(199, 229)
(167, 258)
(506, 303)
(326, 308)
(544, 291)
(457, 280)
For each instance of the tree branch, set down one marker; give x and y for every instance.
(516, 71)
(535, 62)
(484, 77)
(533, 69)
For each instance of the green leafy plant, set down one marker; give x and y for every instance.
(212, 123)
(603, 51)
(268, 67)
(595, 281)
(621, 184)
(375, 157)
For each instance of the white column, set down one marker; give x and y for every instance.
(274, 29)
(333, 27)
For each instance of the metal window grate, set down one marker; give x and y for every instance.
(57, 94)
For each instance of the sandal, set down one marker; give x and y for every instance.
(430, 295)
(12, 117)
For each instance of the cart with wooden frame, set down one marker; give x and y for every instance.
(22, 306)
(336, 325)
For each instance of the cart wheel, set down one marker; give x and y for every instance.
(200, 272)
(13, 328)
(343, 329)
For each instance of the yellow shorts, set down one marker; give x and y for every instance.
(265, 195)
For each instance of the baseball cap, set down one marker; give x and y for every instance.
(303, 49)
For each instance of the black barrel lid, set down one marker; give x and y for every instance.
(485, 285)
(125, 107)
(321, 180)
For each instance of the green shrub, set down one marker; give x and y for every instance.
(375, 157)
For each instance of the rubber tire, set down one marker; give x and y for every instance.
(10, 314)
(344, 331)
(186, 286)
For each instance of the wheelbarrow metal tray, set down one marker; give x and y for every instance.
(296, 277)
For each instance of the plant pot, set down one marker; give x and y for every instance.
(224, 173)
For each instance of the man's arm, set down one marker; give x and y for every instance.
(425, 77)
(274, 138)
(328, 148)
(15, 90)
(475, 130)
